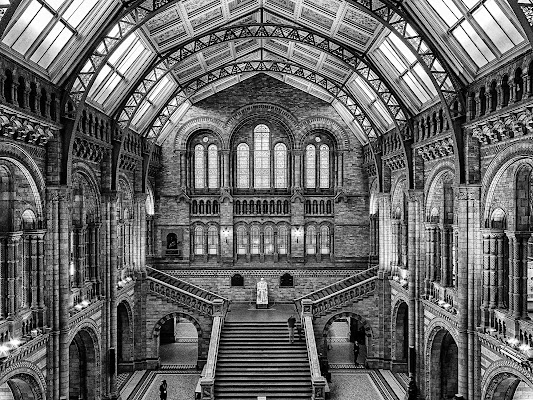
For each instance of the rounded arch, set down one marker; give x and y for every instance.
(157, 327)
(440, 336)
(400, 337)
(29, 375)
(125, 344)
(499, 373)
(187, 130)
(398, 194)
(321, 123)
(438, 177)
(497, 171)
(285, 117)
(362, 320)
(22, 160)
(86, 176)
(85, 349)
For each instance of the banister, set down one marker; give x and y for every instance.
(318, 382)
(207, 381)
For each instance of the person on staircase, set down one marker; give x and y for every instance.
(355, 352)
(291, 322)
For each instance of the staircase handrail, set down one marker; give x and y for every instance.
(318, 382)
(154, 270)
(207, 381)
(187, 299)
(373, 269)
(339, 298)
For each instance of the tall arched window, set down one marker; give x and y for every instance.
(269, 240)
(199, 240)
(243, 166)
(261, 157)
(280, 166)
(242, 241)
(310, 167)
(212, 166)
(212, 240)
(325, 246)
(324, 166)
(283, 240)
(255, 240)
(199, 167)
(310, 240)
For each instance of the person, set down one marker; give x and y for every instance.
(300, 335)
(163, 390)
(291, 322)
(355, 352)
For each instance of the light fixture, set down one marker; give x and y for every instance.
(297, 233)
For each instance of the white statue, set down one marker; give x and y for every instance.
(262, 292)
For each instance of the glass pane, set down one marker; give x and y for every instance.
(212, 160)
(32, 31)
(324, 240)
(255, 240)
(199, 240)
(447, 10)
(24, 20)
(492, 28)
(261, 157)
(55, 4)
(78, 10)
(401, 48)
(473, 44)
(324, 166)
(311, 240)
(391, 55)
(280, 166)
(241, 240)
(199, 167)
(310, 167)
(212, 240)
(282, 240)
(56, 47)
(269, 240)
(243, 165)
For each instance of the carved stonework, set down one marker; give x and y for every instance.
(438, 149)
(506, 126)
(395, 162)
(19, 127)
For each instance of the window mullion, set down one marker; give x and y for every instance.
(483, 36)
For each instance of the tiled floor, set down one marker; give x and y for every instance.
(348, 385)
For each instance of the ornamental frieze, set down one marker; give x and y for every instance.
(508, 126)
(19, 127)
(437, 149)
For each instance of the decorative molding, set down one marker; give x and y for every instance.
(190, 127)
(437, 149)
(21, 127)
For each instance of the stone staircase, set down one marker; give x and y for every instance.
(256, 359)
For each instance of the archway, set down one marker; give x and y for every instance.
(20, 387)
(506, 386)
(401, 338)
(124, 338)
(444, 366)
(178, 343)
(83, 367)
(340, 334)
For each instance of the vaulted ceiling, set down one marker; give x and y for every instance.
(376, 62)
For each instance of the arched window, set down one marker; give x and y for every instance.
(311, 240)
(325, 240)
(283, 240)
(243, 165)
(255, 240)
(261, 157)
(242, 241)
(310, 167)
(199, 240)
(269, 240)
(212, 240)
(324, 166)
(212, 163)
(280, 166)
(199, 167)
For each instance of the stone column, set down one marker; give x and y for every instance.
(13, 259)
(403, 237)
(384, 233)
(111, 294)
(40, 283)
(225, 164)
(297, 168)
(500, 270)
(517, 270)
(64, 289)
(486, 280)
(445, 256)
(141, 263)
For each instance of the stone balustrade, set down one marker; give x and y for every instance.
(207, 381)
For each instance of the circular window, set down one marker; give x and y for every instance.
(205, 139)
(317, 139)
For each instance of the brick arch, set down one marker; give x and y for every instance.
(397, 303)
(125, 337)
(497, 373)
(285, 117)
(24, 161)
(304, 128)
(366, 324)
(489, 187)
(397, 198)
(191, 127)
(161, 322)
(437, 330)
(433, 180)
(30, 374)
(87, 333)
(88, 174)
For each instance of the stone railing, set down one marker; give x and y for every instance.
(207, 380)
(318, 382)
(190, 296)
(340, 293)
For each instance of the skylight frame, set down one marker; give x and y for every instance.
(450, 31)
(69, 28)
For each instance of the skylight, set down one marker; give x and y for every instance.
(485, 29)
(367, 98)
(407, 69)
(43, 28)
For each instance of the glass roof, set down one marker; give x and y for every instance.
(41, 30)
(484, 29)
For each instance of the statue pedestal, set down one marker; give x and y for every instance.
(261, 306)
